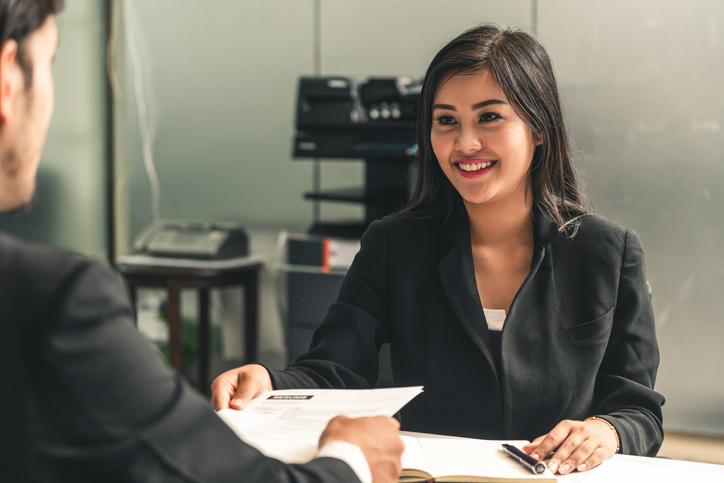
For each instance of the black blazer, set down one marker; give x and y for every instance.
(85, 398)
(578, 339)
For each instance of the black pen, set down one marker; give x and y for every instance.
(537, 467)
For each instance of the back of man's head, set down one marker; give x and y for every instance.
(20, 18)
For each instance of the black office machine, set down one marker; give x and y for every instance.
(197, 240)
(356, 118)
(369, 118)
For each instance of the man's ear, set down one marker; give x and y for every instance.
(10, 73)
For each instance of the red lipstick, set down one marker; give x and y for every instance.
(474, 168)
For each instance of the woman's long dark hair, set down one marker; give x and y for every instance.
(523, 70)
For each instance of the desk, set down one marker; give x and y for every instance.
(631, 469)
(177, 274)
(640, 469)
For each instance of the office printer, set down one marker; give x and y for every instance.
(197, 240)
(364, 118)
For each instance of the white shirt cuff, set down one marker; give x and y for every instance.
(350, 454)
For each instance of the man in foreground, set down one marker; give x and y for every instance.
(66, 330)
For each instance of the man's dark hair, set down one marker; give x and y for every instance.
(19, 19)
(521, 67)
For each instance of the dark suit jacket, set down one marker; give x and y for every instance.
(85, 398)
(578, 340)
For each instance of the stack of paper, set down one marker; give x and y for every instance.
(287, 424)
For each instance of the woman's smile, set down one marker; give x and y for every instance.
(474, 168)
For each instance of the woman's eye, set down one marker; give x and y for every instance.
(445, 120)
(489, 116)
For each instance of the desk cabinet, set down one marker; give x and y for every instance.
(309, 295)
(310, 292)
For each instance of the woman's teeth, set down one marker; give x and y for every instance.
(474, 166)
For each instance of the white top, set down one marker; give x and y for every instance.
(495, 318)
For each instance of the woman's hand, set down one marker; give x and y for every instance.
(235, 388)
(578, 445)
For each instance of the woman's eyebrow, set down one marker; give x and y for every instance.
(480, 105)
(475, 107)
(447, 107)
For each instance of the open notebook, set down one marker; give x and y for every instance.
(430, 457)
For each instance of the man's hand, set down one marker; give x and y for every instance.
(378, 438)
(235, 388)
(578, 445)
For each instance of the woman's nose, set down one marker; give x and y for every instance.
(469, 141)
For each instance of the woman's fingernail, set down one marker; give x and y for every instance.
(565, 469)
(582, 467)
(553, 466)
(536, 456)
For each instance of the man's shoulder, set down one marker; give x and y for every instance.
(29, 259)
(32, 273)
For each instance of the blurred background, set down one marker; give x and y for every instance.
(216, 82)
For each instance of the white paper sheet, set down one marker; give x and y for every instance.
(287, 424)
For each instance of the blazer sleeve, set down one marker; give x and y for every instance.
(345, 347)
(624, 390)
(112, 411)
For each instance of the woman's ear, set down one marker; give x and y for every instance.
(11, 79)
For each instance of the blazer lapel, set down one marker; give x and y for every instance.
(457, 273)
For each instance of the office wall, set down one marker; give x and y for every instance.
(640, 83)
(220, 79)
(69, 208)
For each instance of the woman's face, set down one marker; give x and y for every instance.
(483, 147)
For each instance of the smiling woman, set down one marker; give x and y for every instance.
(514, 75)
(523, 316)
(477, 135)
